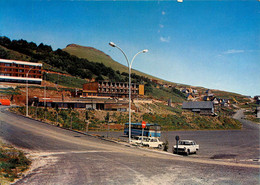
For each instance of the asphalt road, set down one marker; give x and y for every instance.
(64, 157)
(231, 145)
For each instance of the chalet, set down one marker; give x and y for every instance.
(257, 99)
(201, 107)
(208, 98)
(209, 93)
(189, 96)
(224, 102)
(194, 91)
(186, 90)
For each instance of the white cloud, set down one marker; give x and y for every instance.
(165, 39)
(233, 51)
(161, 25)
(163, 12)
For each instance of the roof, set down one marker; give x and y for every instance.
(198, 105)
(20, 62)
(147, 124)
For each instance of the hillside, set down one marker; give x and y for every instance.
(73, 71)
(95, 55)
(80, 64)
(98, 56)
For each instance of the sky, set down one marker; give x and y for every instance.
(209, 43)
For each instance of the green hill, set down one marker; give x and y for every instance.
(94, 55)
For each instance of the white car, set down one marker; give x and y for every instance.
(153, 142)
(138, 139)
(186, 146)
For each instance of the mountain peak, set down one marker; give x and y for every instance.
(85, 48)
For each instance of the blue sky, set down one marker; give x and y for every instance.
(214, 44)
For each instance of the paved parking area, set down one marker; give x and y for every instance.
(237, 145)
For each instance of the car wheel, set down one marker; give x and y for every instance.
(160, 146)
(188, 152)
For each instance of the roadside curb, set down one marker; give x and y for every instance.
(96, 136)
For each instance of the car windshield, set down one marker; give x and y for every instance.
(185, 143)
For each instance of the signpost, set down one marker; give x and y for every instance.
(177, 142)
(143, 126)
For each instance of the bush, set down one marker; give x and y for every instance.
(12, 162)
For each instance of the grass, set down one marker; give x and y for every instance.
(165, 95)
(194, 122)
(12, 163)
(170, 118)
(67, 81)
(66, 118)
(9, 91)
(95, 55)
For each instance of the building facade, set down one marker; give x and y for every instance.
(13, 71)
(201, 107)
(89, 104)
(111, 89)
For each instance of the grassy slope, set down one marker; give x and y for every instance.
(95, 55)
(160, 94)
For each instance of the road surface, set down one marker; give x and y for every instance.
(64, 157)
(231, 145)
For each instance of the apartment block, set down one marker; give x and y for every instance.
(111, 89)
(13, 71)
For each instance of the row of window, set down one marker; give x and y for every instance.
(20, 70)
(116, 90)
(108, 84)
(19, 65)
(20, 75)
(20, 81)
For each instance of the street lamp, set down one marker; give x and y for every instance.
(27, 92)
(129, 69)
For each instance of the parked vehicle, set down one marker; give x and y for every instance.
(186, 146)
(150, 130)
(138, 139)
(152, 142)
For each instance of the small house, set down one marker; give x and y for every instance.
(201, 107)
(189, 96)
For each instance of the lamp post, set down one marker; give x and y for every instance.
(27, 92)
(129, 72)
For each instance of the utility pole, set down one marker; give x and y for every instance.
(107, 119)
